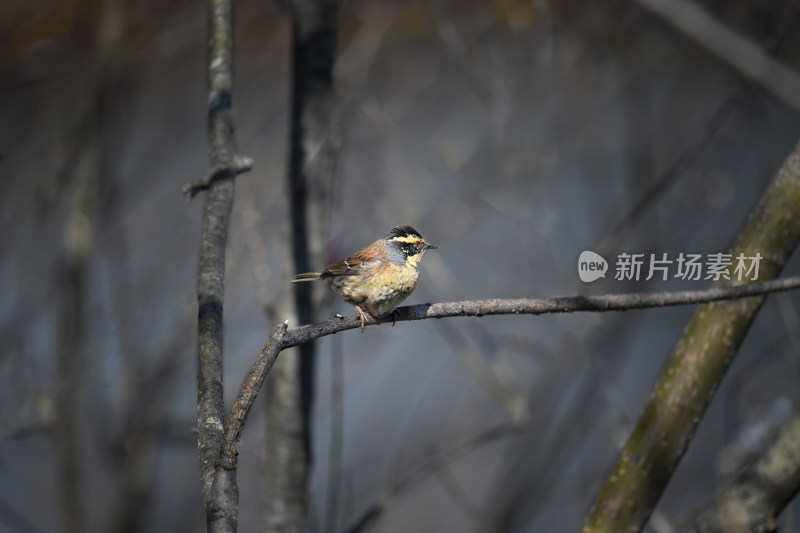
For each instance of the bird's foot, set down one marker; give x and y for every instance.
(363, 316)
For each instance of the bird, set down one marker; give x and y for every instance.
(376, 279)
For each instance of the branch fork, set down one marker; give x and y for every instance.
(241, 164)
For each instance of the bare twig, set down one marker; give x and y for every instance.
(541, 306)
(453, 489)
(434, 463)
(690, 153)
(15, 520)
(133, 449)
(224, 491)
(677, 169)
(240, 164)
(478, 366)
(284, 339)
(747, 57)
(255, 378)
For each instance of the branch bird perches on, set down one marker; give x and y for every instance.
(285, 338)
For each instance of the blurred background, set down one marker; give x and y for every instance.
(512, 134)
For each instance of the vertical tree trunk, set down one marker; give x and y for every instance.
(314, 148)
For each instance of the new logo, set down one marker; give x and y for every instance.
(591, 266)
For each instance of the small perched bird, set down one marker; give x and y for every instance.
(380, 276)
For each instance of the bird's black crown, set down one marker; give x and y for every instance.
(402, 232)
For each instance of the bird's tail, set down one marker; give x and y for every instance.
(308, 276)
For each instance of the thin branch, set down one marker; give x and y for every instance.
(739, 52)
(241, 408)
(133, 449)
(284, 338)
(438, 461)
(676, 170)
(690, 153)
(453, 489)
(541, 306)
(477, 365)
(241, 164)
(15, 520)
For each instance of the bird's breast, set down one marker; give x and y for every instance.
(384, 292)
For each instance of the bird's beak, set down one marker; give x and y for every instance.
(430, 246)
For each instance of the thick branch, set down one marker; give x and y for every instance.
(220, 504)
(695, 370)
(761, 491)
(284, 338)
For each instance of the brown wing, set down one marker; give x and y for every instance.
(353, 265)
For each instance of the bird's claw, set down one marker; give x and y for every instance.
(363, 316)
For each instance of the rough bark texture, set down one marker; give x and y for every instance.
(220, 496)
(760, 492)
(694, 371)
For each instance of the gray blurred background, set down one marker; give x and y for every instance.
(512, 134)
